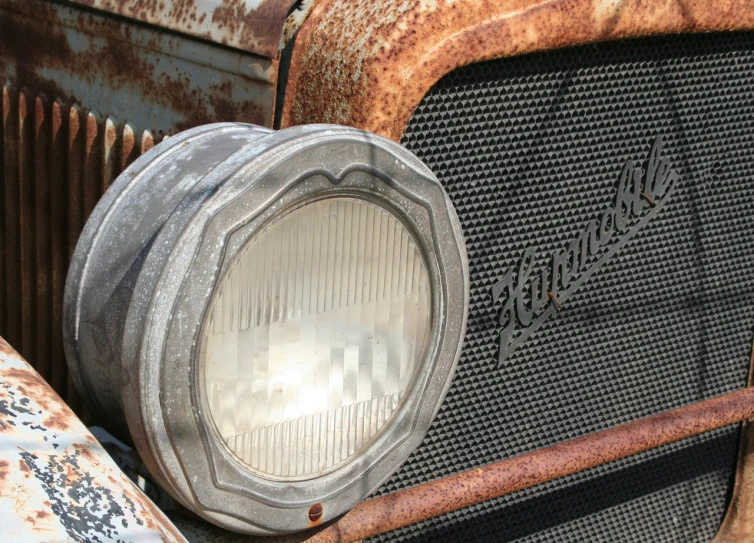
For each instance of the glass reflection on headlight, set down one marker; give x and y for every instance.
(314, 335)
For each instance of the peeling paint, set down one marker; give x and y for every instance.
(56, 480)
(251, 25)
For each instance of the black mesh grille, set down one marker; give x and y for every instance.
(529, 150)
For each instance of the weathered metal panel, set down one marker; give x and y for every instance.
(251, 25)
(82, 96)
(151, 78)
(57, 483)
(57, 163)
(375, 74)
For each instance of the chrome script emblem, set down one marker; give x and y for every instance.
(639, 197)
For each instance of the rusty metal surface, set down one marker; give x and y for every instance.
(373, 76)
(57, 483)
(58, 159)
(738, 524)
(153, 79)
(428, 500)
(251, 25)
(82, 96)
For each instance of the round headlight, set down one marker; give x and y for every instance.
(272, 318)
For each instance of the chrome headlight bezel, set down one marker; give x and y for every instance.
(186, 258)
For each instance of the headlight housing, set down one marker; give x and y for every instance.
(272, 317)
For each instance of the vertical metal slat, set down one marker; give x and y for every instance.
(3, 264)
(58, 164)
(41, 190)
(11, 247)
(26, 227)
(110, 153)
(93, 160)
(75, 208)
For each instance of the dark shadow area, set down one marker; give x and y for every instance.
(576, 500)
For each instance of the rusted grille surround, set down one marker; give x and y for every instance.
(530, 149)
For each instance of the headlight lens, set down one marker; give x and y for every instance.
(314, 335)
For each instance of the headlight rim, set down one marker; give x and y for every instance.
(291, 494)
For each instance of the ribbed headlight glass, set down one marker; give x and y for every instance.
(314, 335)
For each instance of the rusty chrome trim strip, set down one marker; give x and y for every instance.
(435, 498)
(375, 74)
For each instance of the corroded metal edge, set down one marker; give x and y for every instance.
(374, 75)
(56, 481)
(254, 26)
(435, 498)
(738, 524)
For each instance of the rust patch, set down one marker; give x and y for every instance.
(257, 29)
(375, 74)
(44, 47)
(315, 514)
(229, 22)
(435, 498)
(30, 384)
(41, 515)
(3, 469)
(56, 422)
(85, 451)
(71, 474)
(7, 349)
